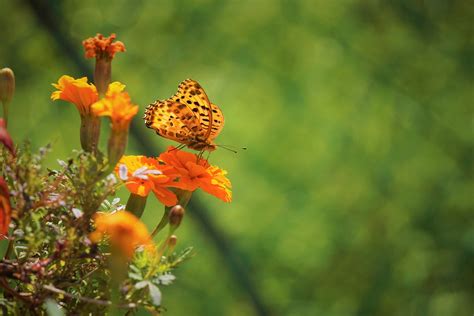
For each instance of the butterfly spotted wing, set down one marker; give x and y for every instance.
(187, 117)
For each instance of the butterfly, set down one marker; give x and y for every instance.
(188, 117)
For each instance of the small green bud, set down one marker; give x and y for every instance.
(7, 85)
(7, 89)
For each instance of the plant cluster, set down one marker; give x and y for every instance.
(71, 246)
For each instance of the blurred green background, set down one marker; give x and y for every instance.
(355, 194)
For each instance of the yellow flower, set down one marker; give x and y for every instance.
(76, 91)
(125, 230)
(117, 105)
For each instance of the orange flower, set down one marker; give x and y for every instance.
(5, 209)
(125, 230)
(76, 91)
(102, 47)
(117, 105)
(142, 175)
(197, 173)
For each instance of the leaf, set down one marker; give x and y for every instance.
(166, 279)
(135, 276)
(52, 308)
(155, 294)
(142, 284)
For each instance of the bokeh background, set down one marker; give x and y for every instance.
(355, 194)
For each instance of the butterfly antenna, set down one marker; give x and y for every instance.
(231, 148)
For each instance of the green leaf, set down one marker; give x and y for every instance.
(135, 276)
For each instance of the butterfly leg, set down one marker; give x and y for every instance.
(177, 148)
(199, 156)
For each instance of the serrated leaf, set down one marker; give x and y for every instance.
(135, 269)
(155, 294)
(135, 276)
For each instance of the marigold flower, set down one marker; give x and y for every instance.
(142, 175)
(196, 173)
(102, 47)
(5, 209)
(76, 91)
(125, 230)
(117, 105)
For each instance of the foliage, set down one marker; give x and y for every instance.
(51, 255)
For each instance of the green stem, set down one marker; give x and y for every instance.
(183, 199)
(116, 146)
(90, 132)
(5, 112)
(136, 204)
(162, 223)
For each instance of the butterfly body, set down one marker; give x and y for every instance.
(188, 117)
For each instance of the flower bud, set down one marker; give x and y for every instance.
(7, 85)
(172, 241)
(175, 216)
(7, 89)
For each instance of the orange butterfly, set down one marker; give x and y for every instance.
(188, 117)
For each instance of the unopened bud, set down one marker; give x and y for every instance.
(7, 85)
(176, 216)
(7, 89)
(171, 243)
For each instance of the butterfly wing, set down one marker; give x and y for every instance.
(217, 121)
(172, 120)
(195, 98)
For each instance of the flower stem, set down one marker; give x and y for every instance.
(116, 146)
(5, 112)
(136, 204)
(183, 199)
(90, 132)
(102, 74)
